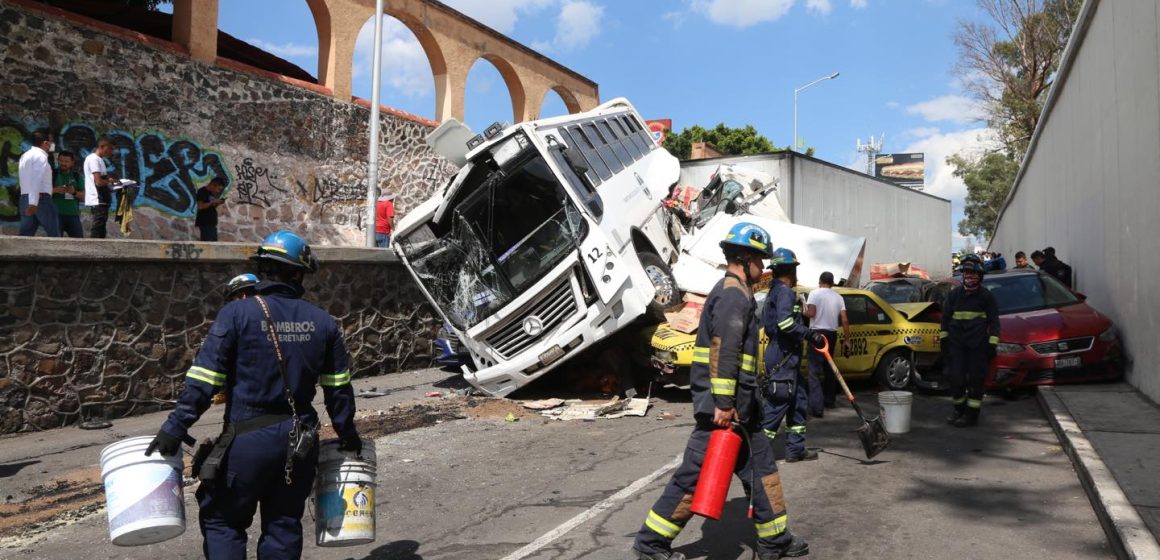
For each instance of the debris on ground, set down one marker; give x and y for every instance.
(433, 394)
(667, 416)
(616, 408)
(542, 404)
(370, 394)
(58, 502)
(511, 418)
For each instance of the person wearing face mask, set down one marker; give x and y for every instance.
(98, 187)
(35, 175)
(724, 386)
(969, 339)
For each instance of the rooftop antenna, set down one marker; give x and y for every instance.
(871, 148)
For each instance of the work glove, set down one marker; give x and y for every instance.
(164, 444)
(817, 339)
(350, 442)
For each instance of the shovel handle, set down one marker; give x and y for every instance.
(825, 351)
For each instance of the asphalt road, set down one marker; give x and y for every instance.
(540, 489)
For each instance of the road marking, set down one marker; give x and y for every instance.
(593, 511)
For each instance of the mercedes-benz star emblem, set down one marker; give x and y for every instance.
(533, 326)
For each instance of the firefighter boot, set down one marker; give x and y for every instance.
(969, 419)
(958, 412)
(797, 547)
(669, 555)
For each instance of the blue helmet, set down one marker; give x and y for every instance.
(748, 236)
(783, 257)
(239, 283)
(289, 248)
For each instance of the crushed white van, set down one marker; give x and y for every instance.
(551, 237)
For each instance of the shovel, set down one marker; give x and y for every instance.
(872, 432)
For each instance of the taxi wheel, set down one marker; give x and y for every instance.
(895, 370)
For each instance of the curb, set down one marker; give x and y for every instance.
(1127, 534)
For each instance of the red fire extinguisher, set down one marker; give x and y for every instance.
(716, 473)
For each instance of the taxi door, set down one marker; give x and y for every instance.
(870, 330)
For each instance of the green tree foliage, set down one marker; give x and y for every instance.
(1008, 65)
(988, 178)
(727, 140)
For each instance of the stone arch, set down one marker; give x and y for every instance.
(569, 99)
(436, 62)
(323, 25)
(511, 79)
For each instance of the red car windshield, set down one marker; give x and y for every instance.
(1027, 292)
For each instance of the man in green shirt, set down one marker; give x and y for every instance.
(66, 183)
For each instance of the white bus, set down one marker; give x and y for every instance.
(551, 237)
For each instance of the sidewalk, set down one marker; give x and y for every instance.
(1112, 434)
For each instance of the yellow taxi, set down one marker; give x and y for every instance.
(890, 343)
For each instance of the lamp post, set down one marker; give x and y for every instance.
(795, 98)
(373, 156)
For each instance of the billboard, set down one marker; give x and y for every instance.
(904, 170)
(658, 127)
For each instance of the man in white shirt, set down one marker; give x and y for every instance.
(98, 187)
(35, 175)
(826, 309)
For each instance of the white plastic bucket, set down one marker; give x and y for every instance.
(344, 496)
(143, 495)
(895, 406)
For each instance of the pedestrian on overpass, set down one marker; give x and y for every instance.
(785, 396)
(826, 310)
(724, 386)
(969, 340)
(269, 351)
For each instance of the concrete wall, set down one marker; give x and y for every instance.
(293, 156)
(114, 325)
(1088, 186)
(898, 224)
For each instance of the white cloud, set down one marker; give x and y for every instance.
(285, 50)
(940, 179)
(858, 4)
(579, 22)
(954, 108)
(893, 104)
(920, 132)
(742, 13)
(822, 7)
(405, 68)
(500, 15)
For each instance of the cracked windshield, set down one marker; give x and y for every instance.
(510, 229)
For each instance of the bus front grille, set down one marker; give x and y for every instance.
(557, 306)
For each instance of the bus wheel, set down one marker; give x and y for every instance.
(667, 294)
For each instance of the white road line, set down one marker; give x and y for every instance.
(593, 511)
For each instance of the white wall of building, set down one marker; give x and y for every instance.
(1090, 185)
(899, 224)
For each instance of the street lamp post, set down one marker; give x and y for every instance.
(795, 99)
(373, 125)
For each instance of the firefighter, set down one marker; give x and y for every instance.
(241, 286)
(969, 339)
(786, 393)
(724, 394)
(239, 354)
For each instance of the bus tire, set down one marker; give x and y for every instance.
(661, 276)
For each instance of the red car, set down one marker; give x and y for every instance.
(1049, 335)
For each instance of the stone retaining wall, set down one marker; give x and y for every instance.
(114, 325)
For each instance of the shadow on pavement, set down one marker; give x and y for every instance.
(397, 550)
(10, 469)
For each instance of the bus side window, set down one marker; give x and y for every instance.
(598, 172)
(580, 185)
(602, 148)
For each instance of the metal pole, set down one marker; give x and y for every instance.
(795, 104)
(373, 156)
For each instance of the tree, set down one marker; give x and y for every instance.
(1009, 64)
(728, 140)
(988, 178)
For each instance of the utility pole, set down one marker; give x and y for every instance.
(796, 143)
(373, 156)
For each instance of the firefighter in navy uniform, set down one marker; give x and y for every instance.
(969, 339)
(257, 469)
(786, 394)
(724, 393)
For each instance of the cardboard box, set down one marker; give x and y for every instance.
(687, 319)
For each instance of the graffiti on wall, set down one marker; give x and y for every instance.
(254, 184)
(169, 171)
(340, 202)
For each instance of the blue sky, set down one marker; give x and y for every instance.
(701, 62)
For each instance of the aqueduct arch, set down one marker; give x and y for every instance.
(452, 41)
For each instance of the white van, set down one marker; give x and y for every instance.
(551, 237)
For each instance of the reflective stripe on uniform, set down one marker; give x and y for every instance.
(974, 403)
(944, 334)
(772, 528)
(748, 363)
(796, 429)
(993, 340)
(725, 387)
(662, 526)
(771, 433)
(335, 380)
(206, 376)
(700, 355)
(959, 400)
(787, 323)
(969, 315)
